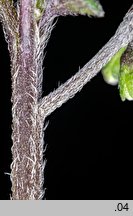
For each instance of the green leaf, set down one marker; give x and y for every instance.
(111, 70)
(39, 8)
(126, 74)
(83, 7)
(126, 83)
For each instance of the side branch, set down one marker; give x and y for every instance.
(122, 37)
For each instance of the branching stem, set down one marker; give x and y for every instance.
(27, 36)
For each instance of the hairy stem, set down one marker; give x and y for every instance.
(27, 168)
(27, 150)
(122, 37)
(9, 19)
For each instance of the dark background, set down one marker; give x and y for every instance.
(89, 153)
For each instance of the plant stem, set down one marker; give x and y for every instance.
(27, 168)
(66, 91)
(27, 150)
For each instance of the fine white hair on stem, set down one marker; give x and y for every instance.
(63, 93)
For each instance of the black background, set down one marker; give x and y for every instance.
(89, 153)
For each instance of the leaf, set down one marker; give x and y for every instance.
(39, 8)
(111, 70)
(83, 7)
(126, 74)
(126, 83)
